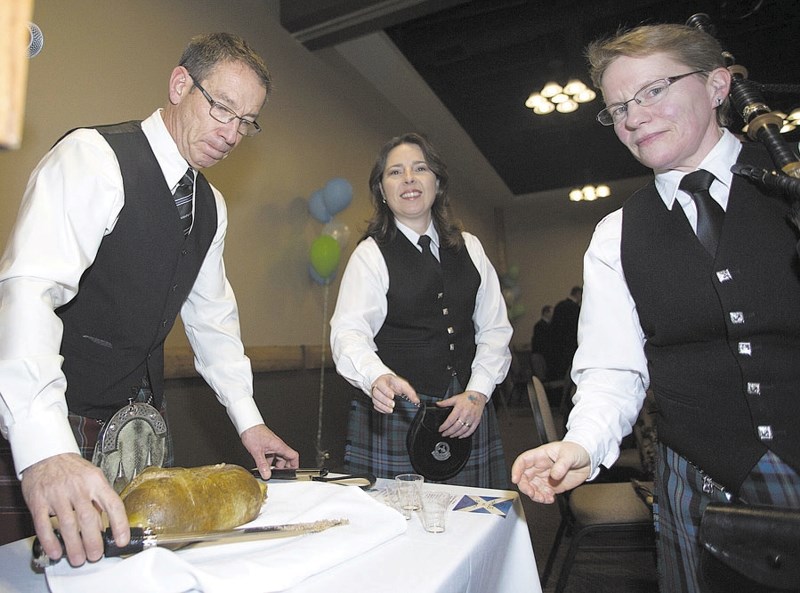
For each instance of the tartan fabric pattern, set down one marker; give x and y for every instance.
(680, 502)
(376, 443)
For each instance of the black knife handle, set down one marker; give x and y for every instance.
(41, 559)
(136, 544)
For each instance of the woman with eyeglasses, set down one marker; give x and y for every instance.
(680, 297)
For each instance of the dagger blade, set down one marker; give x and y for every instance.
(142, 539)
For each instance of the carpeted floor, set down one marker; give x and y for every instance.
(619, 572)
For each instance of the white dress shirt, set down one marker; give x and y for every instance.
(610, 368)
(361, 309)
(73, 199)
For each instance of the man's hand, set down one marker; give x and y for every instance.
(77, 493)
(268, 449)
(386, 388)
(550, 469)
(466, 415)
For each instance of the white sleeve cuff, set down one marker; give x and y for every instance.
(244, 414)
(28, 445)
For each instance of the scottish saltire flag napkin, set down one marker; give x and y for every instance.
(491, 505)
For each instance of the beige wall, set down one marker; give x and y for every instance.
(109, 61)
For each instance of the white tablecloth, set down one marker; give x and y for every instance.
(379, 551)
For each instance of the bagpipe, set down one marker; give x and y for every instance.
(763, 125)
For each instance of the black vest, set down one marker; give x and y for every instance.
(128, 299)
(723, 335)
(428, 335)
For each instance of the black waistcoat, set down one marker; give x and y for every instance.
(723, 335)
(428, 335)
(127, 302)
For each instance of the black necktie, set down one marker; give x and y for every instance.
(709, 212)
(424, 241)
(183, 195)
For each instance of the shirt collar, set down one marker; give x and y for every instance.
(413, 235)
(172, 164)
(718, 161)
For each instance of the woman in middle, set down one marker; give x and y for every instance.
(420, 317)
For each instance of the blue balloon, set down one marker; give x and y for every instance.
(337, 194)
(317, 208)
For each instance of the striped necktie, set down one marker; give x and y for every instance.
(183, 195)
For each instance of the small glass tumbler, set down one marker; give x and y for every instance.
(434, 511)
(409, 488)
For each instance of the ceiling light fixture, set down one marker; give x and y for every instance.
(589, 193)
(554, 97)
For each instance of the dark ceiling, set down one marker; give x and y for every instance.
(483, 58)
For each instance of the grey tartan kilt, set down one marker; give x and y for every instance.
(376, 443)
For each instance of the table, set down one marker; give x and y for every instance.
(478, 553)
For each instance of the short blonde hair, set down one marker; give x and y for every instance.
(689, 45)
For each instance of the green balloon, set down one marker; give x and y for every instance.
(325, 252)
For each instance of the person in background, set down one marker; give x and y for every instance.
(542, 340)
(98, 265)
(676, 307)
(419, 323)
(564, 331)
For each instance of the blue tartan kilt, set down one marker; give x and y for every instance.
(681, 501)
(376, 443)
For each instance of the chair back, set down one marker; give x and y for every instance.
(542, 414)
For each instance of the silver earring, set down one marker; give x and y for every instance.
(719, 101)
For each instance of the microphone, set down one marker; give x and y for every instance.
(36, 42)
(770, 180)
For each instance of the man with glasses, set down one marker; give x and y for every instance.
(99, 264)
(680, 298)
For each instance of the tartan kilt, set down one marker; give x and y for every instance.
(376, 443)
(681, 500)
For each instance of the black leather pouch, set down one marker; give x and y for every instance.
(436, 457)
(750, 548)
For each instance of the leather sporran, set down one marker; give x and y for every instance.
(750, 548)
(436, 457)
(133, 439)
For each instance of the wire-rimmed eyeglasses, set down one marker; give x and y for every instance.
(646, 96)
(225, 115)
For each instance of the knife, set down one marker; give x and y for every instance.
(142, 539)
(286, 473)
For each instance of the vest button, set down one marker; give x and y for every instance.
(753, 388)
(745, 348)
(184, 251)
(765, 432)
(737, 317)
(724, 275)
